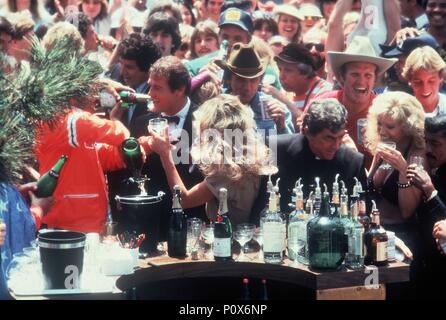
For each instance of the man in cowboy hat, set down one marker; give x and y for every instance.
(244, 70)
(356, 70)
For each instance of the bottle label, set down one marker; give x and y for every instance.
(272, 236)
(381, 251)
(222, 247)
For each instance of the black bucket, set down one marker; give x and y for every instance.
(62, 256)
(141, 214)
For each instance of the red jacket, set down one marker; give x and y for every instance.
(91, 144)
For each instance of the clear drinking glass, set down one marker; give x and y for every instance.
(418, 160)
(244, 233)
(157, 125)
(299, 245)
(207, 241)
(193, 234)
(386, 145)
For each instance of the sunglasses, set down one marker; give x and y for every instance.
(320, 47)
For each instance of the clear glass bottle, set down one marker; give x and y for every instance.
(272, 233)
(269, 189)
(375, 241)
(223, 229)
(177, 236)
(354, 259)
(317, 197)
(297, 228)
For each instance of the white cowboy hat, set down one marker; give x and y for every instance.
(287, 9)
(359, 50)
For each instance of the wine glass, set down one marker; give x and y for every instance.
(244, 233)
(193, 234)
(386, 145)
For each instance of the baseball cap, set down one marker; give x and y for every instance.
(236, 17)
(408, 45)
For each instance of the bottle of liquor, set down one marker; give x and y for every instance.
(375, 241)
(362, 214)
(132, 156)
(343, 205)
(133, 97)
(283, 215)
(272, 233)
(176, 241)
(297, 227)
(246, 293)
(48, 182)
(335, 191)
(317, 196)
(223, 229)
(269, 189)
(326, 238)
(354, 259)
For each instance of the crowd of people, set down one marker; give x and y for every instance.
(295, 77)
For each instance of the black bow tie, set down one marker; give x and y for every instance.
(171, 119)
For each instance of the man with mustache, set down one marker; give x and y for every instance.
(432, 213)
(356, 70)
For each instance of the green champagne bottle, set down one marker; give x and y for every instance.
(132, 156)
(48, 182)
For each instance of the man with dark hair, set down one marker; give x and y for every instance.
(298, 75)
(415, 11)
(432, 213)
(169, 84)
(318, 151)
(136, 55)
(86, 28)
(164, 31)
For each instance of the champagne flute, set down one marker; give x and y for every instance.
(386, 145)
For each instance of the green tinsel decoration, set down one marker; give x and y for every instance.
(39, 92)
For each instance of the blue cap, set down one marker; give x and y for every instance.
(236, 17)
(410, 44)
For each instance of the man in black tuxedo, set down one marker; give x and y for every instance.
(169, 89)
(318, 152)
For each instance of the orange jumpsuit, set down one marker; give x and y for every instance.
(92, 146)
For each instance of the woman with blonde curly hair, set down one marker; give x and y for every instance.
(228, 152)
(399, 118)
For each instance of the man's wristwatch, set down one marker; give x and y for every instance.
(433, 194)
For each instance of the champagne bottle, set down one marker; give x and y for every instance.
(132, 156)
(107, 100)
(176, 241)
(326, 238)
(223, 229)
(48, 182)
(375, 241)
(133, 97)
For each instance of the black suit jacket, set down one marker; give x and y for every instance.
(154, 170)
(296, 160)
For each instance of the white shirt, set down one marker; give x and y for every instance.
(440, 109)
(175, 129)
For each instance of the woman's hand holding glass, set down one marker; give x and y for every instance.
(160, 143)
(392, 157)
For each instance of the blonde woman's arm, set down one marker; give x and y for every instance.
(198, 194)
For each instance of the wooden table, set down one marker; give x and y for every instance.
(327, 285)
